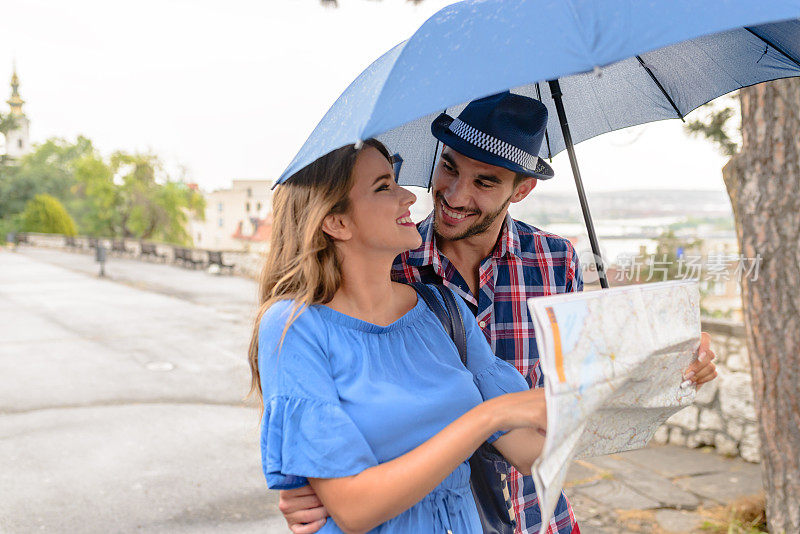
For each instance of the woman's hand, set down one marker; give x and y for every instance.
(524, 415)
(526, 409)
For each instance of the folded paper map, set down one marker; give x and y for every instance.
(613, 363)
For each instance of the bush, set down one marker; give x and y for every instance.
(45, 214)
(9, 225)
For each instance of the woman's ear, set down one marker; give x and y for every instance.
(335, 225)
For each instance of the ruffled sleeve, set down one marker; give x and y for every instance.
(305, 431)
(496, 379)
(492, 375)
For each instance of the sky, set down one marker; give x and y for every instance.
(230, 90)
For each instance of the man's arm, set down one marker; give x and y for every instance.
(302, 509)
(521, 447)
(702, 370)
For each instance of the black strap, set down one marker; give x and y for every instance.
(449, 314)
(459, 335)
(489, 490)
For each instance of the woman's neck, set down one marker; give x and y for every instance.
(367, 291)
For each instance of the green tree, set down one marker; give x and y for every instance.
(46, 170)
(96, 198)
(150, 204)
(716, 128)
(45, 214)
(7, 123)
(128, 195)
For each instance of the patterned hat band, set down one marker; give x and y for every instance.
(493, 145)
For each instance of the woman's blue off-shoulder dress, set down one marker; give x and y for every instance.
(342, 395)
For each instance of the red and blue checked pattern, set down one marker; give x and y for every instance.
(526, 262)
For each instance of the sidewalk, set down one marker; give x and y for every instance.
(657, 489)
(120, 404)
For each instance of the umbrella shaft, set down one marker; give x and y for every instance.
(555, 92)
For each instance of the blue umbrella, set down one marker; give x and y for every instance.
(610, 63)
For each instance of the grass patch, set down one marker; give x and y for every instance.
(746, 515)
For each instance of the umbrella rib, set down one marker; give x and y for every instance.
(777, 48)
(433, 166)
(546, 136)
(661, 88)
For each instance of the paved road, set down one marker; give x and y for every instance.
(121, 399)
(121, 411)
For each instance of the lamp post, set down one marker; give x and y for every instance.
(100, 257)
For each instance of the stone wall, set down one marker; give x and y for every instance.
(247, 264)
(723, 414)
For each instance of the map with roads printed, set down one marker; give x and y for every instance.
(613, 361)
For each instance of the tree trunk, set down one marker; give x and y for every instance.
(763, 181)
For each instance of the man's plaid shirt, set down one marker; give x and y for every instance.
(526, 262)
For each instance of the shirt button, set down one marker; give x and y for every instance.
(482, 324)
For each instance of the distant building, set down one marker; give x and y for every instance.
(255, 238)
(17, 140)
(239, 218)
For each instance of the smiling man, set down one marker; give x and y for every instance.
(471, 244)
(495, 263)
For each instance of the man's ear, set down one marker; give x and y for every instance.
(336, 226)
(523, 189)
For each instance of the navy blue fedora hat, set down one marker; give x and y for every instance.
(505, 130)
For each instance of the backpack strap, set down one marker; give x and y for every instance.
(459, 332)
(448, 314)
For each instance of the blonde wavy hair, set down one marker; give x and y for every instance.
(302, 264)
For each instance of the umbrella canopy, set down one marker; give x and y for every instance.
(618, 62)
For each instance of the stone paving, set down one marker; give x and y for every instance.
(662, 488)
(121, 410)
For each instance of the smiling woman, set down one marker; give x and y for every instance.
(365, 395)
(379, 218)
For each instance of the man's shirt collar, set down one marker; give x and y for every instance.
(509, 240)
(428, 253)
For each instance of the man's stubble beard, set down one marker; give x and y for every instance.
(476, 229)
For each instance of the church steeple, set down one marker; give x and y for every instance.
(17, 142)
(15, 102)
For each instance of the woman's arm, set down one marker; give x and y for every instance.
(361, 502)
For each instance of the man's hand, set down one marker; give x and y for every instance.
(302, 510)
(702, 370)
